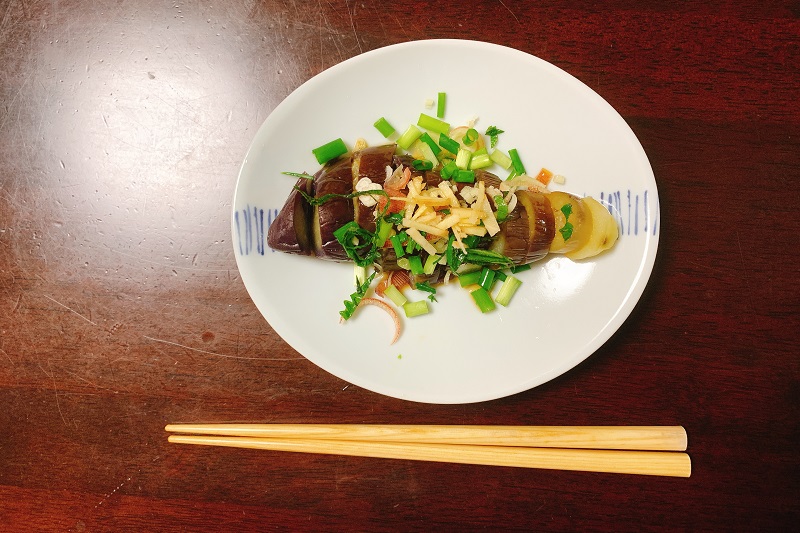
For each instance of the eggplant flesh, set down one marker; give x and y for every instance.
(300, 228)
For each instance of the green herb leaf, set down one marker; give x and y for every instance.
(355, 298)
(487, 258)
(566, 231)
(359, 244)
(493, 132)
(299, 175)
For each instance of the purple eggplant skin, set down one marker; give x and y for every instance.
(527, 233)
(370, 163)
(334, 178)
(290, 232)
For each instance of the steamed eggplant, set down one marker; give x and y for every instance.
(540, 222)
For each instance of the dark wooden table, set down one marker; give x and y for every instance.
(122, 129)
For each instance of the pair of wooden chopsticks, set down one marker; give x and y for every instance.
(648, 450)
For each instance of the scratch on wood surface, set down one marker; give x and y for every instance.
(353, 24)
(69, 309)
(76, 376)
(222, 354)
(52, 376)
(110, 494)
(509, 10)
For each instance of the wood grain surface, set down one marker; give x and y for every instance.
(122, 128)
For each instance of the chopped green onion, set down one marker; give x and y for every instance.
(470, 137)
(426, 151)
(394, 294)
(408, 137)
(397, 241)
(448, 170)
(451, 145)
(411, 246)
(487, 278)
(433, 124)
(403, 263)
(520, 268)
(413, 309)
(501, 159)
(329, 151)
(480, 161)
(383, 126)
(463, 158)
(465, 176)
(382, 232)
(415, 263)
(427, 139)
(470, 278)
(502, 208)
(421, 164)
(507, 290)
(441, 99)
(512, 174)
(430, 264)
(483, 299)
(499, 275)
(516, 162)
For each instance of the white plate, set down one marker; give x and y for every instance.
(563, 312)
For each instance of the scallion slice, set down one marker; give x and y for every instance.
(507, 290)
(470, 278)
(480, 161)
(483, 299)
(501, 159)
(448, 170)
(394, 294)
(427, 139)
(430, 264)
(397, 241)
(487, 279)
(433, 124)
(516, 162)
(451, 145)
(383, 126)
(463, 158)
(413, 309)
(415, 262)
(329, 151)
(408, 137)
(464, 176)
(421, 164)
(441, 99)
(502, 207)
(470, 137)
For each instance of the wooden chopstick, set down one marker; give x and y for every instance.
(661, 438)
(655, 463)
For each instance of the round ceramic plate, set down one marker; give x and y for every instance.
(564, 310)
